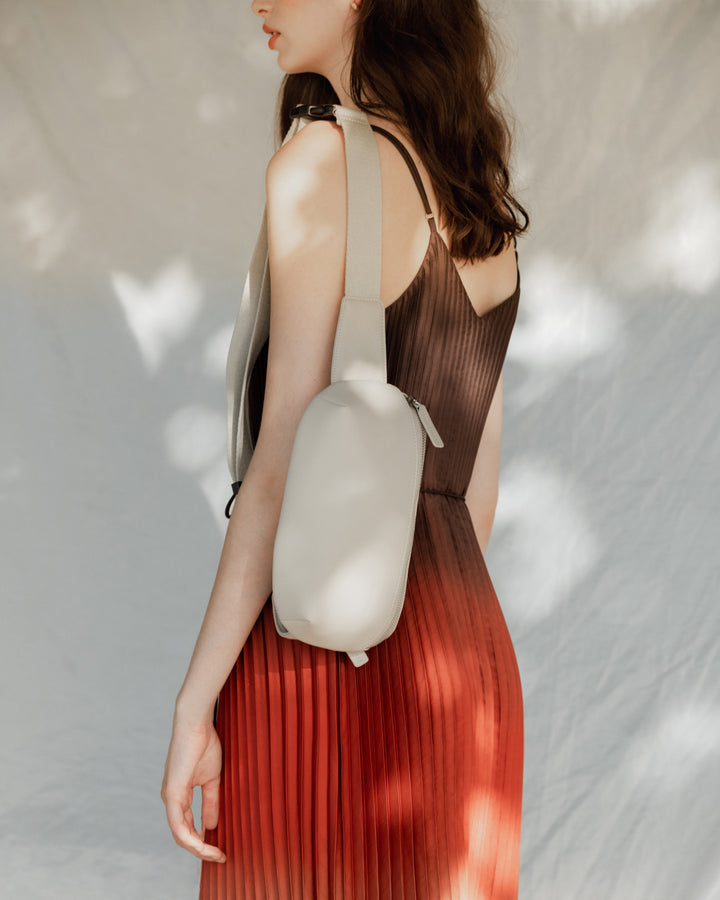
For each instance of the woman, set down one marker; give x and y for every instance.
(401, 778)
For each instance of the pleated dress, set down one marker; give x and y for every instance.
(400, 779)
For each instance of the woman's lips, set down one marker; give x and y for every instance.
(273, 35)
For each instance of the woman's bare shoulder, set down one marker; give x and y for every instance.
(317, 145)
(305, 188)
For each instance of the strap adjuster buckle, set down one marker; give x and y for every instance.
(313, 111)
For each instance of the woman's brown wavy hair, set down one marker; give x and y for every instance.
(430, 66)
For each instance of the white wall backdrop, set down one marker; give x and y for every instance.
(133, 142)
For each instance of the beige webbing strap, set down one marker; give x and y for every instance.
(359, 350)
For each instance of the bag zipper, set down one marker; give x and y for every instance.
(425, 419)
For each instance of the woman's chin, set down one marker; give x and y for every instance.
(291, 68)
(294, 65)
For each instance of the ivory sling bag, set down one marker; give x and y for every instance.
(345, 534)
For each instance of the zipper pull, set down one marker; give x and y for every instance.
(427, 422)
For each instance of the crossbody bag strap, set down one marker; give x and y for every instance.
(251, 330)
(359, 350)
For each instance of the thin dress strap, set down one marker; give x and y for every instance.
(429, 215)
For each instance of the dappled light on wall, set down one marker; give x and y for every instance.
(43, 230)
(601, 12)
(159, 314)
(565, 319)
(682, 243)
(667, 755)
(548, 533)
(216, 107)
(194, 439)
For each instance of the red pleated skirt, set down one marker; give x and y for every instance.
(398, 779)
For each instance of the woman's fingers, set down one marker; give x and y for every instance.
(194, 759)
(182, 826)
(210, 811)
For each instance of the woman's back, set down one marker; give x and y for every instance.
(406, 235)
(405, 232)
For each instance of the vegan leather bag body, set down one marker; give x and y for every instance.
(345, 533)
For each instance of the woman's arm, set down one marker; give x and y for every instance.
(307, 210)
(242, 586)
(240, 590)
(482, 493)
(306, 213)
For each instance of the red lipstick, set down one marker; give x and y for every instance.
(275, 34)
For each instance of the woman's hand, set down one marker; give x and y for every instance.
(194, 758)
